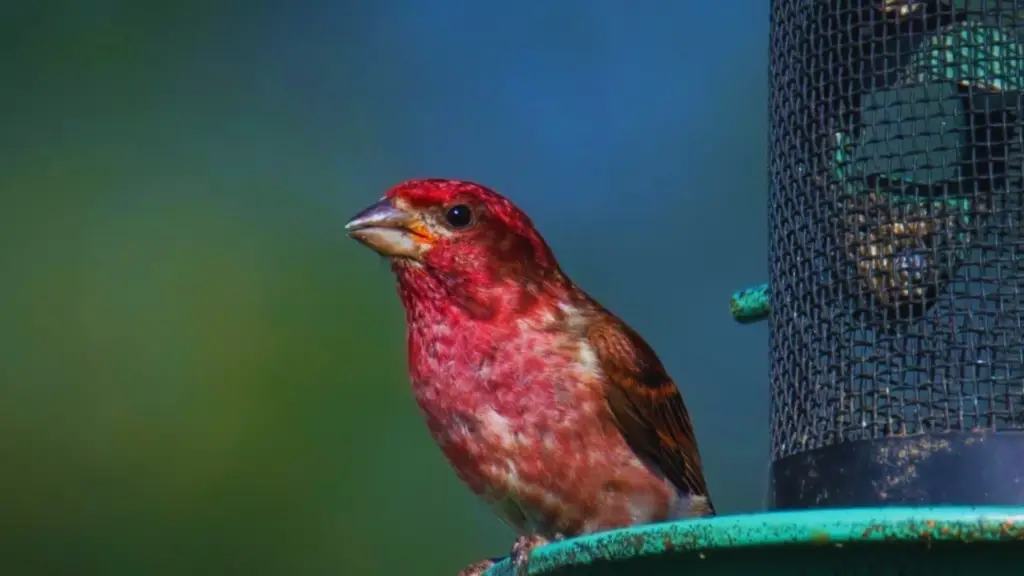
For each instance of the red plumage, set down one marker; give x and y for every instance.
(547, 405)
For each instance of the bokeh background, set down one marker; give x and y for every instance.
(201, 375)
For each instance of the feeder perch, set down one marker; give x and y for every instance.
(869, 542)
(894, 304)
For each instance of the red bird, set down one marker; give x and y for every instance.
(548, 406)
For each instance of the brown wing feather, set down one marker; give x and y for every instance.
(646, 404)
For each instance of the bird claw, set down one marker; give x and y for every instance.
(519, 558)
(524, 546)
(476, 568)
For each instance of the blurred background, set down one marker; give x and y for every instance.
(200, 374)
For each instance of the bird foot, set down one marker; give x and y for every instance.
(520, 557)
(476, 568)
(524, 546)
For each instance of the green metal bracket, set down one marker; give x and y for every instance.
(751, 304)
(875, 541)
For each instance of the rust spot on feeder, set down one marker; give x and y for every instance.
(872, 529)
(667, 543)
(820, 537)
(1009, 530)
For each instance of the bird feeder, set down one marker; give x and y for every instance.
(895, 301)
(897, 356)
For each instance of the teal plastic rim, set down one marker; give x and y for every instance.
(780, 529)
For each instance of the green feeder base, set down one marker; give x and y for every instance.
(862, 541)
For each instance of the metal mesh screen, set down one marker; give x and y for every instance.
(895, 208)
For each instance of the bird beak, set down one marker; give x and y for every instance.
(390, 230)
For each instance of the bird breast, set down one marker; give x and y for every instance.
(522, 418)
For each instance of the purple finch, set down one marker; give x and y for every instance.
(550, 408)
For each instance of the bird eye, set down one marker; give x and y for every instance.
(459, 216)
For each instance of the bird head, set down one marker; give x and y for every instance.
(455, 229)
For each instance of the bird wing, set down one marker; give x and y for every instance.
(646, 404)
